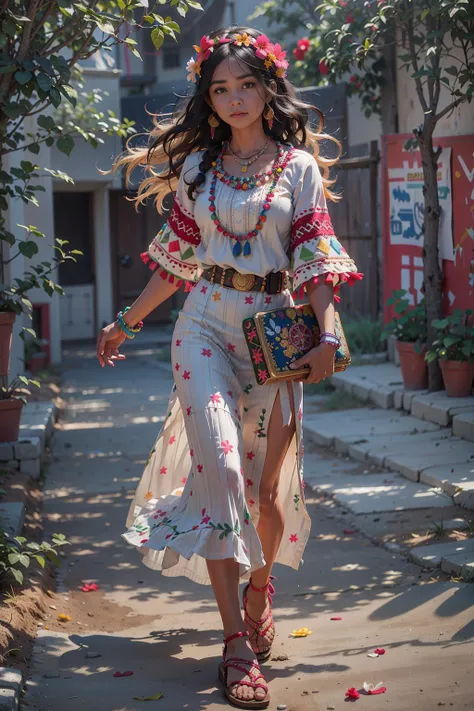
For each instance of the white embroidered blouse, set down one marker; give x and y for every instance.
(297, 235)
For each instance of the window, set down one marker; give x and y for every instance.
(171, 58)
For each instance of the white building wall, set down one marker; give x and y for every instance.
(459, 123)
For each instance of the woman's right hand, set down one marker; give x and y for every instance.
(109, 340)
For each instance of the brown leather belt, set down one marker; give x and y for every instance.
(273, 283)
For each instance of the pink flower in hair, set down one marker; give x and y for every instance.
(204, 49)
(280, 55)
(262, 46)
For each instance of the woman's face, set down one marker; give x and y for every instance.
(236, 95)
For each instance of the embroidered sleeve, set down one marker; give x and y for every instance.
(172, 251)
(314, 249)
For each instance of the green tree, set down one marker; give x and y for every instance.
(42, 43)
(434, 43)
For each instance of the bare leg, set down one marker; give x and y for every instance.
(224, 575)
(271, 522)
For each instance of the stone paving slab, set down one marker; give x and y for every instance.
(431, 556)
(411, 463)
(463, 425)
(361, 422)
(377, 448)
(370, 493)
(12, 517)
(439, 408)
(452, 479)
(37, 420)
(461, 564)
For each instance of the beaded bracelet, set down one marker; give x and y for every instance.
(128, 330)
(330, 338)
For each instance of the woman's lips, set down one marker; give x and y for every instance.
(242, 113)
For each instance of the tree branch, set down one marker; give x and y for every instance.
(47, 13)
(450, 107)
(414, 61)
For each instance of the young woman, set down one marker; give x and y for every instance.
(221, 498)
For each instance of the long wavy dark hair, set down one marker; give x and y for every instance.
(187, 129)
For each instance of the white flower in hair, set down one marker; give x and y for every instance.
(192, 67)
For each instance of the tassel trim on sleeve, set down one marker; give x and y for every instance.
(165, 274)
(347, 277)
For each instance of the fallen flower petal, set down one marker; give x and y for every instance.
(349, 531)
(379, 650)
(88, 587)
(125, 673)
(63, 618)
(372, 654)
(352, 693)
(155, 697)
(302, 632)
(335, 618)
(377, 689)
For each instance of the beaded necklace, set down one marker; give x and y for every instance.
(237, 183)
(241, 183)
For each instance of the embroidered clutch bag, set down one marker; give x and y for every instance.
(277, 338)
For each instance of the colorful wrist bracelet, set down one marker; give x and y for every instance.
(330, 339)
(138, 327)
(128, 330)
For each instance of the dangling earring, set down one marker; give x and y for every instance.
(213, 122)
(269, 114)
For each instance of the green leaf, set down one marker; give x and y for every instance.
(44, 82)
(34, 148)
(13, 558)
(55, 97)
(23, 77)
(28, 249)
(69, 93)
(157, 37)
(65, 144)
(24, 560)
(17, 574)
(195, 5)
(40, 560)
(46, 122)
(451, 70)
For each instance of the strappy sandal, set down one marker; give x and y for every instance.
(264, 629)
(253, 673)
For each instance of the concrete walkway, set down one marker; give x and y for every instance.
(167, 630)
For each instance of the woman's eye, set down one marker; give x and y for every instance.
(247, 83)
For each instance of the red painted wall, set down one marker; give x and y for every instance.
(459, 275)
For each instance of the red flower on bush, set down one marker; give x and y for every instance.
(323, 67)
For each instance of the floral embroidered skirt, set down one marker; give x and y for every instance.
(198, 497)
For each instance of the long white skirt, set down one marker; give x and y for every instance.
(198, 497)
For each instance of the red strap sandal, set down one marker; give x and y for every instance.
(262, 633)
(253, 674)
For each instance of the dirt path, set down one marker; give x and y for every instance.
(167, 630)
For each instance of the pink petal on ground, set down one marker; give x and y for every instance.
(352, 693)
(335, 618)
(349, 531)
(125, 673)
(379, 650)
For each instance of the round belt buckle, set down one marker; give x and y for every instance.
(243, 282)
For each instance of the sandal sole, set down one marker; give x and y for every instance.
(240, 703)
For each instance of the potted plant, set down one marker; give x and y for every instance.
(35, 355)
(410, 329)
(454, 348)
(12, 399)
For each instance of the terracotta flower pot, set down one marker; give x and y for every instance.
(36, 363)
(10, 415)
(413, 366)
(458, 376)
(7, 319)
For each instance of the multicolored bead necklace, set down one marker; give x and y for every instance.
(272, 176)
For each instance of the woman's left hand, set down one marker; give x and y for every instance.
(320, 361)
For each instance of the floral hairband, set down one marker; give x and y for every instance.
(264, 49)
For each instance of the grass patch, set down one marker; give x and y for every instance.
(323, 388)
(363, 335)
(340, 400)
